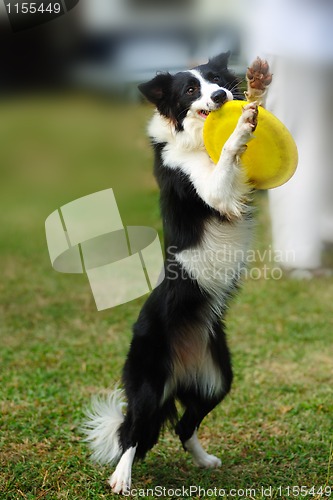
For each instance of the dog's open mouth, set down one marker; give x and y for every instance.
(203, 113)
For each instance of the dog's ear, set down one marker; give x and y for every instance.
(221, 61)
(158, 89)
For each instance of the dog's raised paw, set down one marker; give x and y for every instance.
(258, 75)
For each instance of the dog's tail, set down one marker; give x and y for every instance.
(102, 427)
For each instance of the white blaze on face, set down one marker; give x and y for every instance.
(205, 104)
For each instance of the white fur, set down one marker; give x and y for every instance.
(219, 257)
(200, 457)
(101, 428)
(121, 479)
(202, 374)
(161, 129)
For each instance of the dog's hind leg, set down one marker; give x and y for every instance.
(187, 431)
(139, 432)
(121, 479)
(199, 403)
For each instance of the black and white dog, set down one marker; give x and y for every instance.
(179, 350)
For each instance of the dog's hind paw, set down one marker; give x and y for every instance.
(200, 457)
(121, 479)
(119, 483)
(207, 461)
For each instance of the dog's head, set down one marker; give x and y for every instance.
(193, 93)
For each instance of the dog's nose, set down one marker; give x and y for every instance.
(219, 96)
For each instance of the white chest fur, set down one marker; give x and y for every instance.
(218, 260)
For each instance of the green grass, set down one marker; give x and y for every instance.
(56, 350)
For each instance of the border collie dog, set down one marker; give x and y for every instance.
(179, 350)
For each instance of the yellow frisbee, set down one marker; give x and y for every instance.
(271, 157)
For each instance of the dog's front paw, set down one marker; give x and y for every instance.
(258, 78)
(258, 75)
(249, 119)
(237, 142)
(206, 461)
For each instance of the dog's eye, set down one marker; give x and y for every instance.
(216, 78)
(190, 90)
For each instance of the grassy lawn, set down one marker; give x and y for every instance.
(56, 350)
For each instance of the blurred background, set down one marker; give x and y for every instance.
(72, 118)
(111, 45)
(72, 121)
